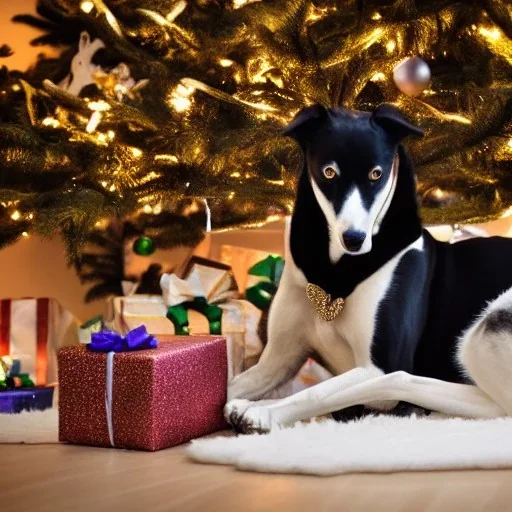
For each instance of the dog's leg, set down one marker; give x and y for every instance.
(445, 397)
(242, 411)
(285, 352)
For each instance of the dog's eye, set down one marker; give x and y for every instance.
(329, 172)
(375, 174)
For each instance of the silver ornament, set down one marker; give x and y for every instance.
(412, 76)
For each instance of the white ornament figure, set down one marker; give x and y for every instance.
(82, 68)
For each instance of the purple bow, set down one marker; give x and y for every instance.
(110, 341)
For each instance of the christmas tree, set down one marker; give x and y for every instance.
(175, 107)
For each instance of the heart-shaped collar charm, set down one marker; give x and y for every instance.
(326, 308)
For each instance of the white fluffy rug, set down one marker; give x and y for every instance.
(33, 427)
(373, 444)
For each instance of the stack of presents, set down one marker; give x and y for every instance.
(152, 372)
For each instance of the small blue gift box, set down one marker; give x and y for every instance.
(28, 399)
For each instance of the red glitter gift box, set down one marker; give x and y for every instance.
(160, 397)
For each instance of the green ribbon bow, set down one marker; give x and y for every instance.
(269, 270)
(178, 315)
(10, 378)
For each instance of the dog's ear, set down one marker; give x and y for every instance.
(391, 120)
(304, 122)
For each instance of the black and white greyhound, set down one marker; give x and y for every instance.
(393, 313)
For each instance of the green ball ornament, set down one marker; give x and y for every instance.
(144, 246)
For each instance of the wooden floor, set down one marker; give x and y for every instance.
(58, 478)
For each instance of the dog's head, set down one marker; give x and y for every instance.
(352, 165)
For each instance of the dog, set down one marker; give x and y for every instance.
(394, 314)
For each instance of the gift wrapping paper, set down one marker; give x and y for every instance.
(32, 330)
(160, 397)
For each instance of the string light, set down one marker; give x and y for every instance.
(493, 33)
(24, 234)
(390, 46)
(166, 158)
(378, 77)
(51, 121)
(98, 106)
(225, 63)
(102, 224)
(147, 209)
(376, 16)
(179, 98)
(94, 122)
(240, 3)
(136, 152)
(16, 215)
(87, 6)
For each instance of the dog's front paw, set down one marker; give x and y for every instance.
(234, 410)
(246, 417)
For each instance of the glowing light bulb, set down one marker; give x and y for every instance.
(376, 16)
(112, 188)
(147, 208)
(104, 184)
(181, 104)
(16, 215)
(225, 63)
(157, 209)
(51, 121)
(30, 216)
(93, 123)
(378, 77)
(136, 152)
(390, 46)
(24, 234)
(179, 98)
(98, 106)
(493, 33)
(87, 6)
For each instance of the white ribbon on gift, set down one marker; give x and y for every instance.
(108, 395)
(197, 284)
(176, 291)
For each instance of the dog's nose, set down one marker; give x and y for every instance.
(353, 239)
